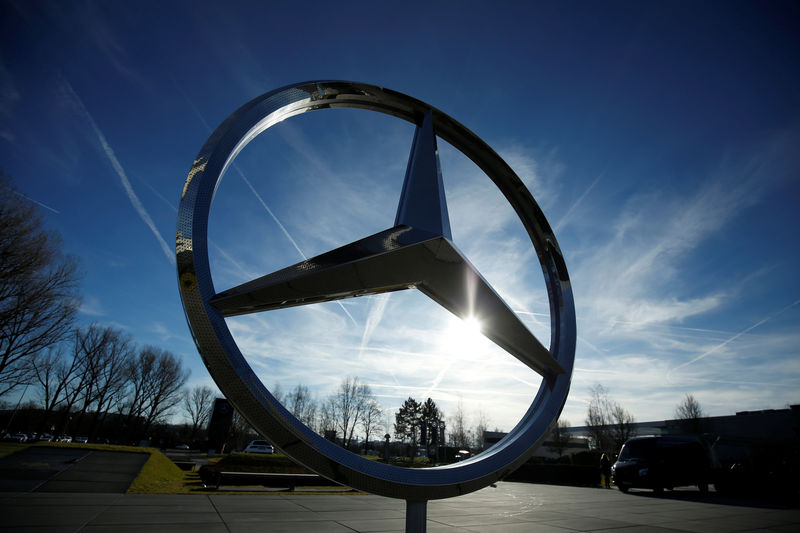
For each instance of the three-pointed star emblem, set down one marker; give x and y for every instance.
(417, 252)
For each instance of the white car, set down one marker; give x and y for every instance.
(259, 446)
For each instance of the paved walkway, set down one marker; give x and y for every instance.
(509, 508)
(53, 469)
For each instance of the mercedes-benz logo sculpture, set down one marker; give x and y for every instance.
(416, 252)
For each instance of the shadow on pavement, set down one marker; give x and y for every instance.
(766, 499)
(46, 469)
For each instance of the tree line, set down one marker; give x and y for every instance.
(352, 416)
(39, 288)
(609, 425)
(347, 414)
(101, 371)
(80, 374)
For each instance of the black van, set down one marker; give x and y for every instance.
(660, 463)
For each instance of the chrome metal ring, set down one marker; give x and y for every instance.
(242, 387)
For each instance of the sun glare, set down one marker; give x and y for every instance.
(462, 337)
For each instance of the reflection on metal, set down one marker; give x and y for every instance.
(417, 252)
(422, 203)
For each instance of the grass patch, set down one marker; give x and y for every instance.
(7, 448)
(159, 475)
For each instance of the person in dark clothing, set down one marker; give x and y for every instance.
(605, 471)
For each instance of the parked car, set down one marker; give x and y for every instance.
(182, 447)
(45, 437)
(660, 463)
(81, 440)
(259, 446)
(16, 437)
(64, 438)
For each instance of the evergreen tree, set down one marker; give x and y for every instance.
(431, 417)
(407, 422)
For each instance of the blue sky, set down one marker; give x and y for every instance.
(659, 139)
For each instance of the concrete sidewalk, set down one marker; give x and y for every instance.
(511, 507)
(53, 469)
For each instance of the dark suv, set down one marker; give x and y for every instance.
(662, 462)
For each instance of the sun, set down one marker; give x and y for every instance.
(462, 337)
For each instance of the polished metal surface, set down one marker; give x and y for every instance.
(417, 252)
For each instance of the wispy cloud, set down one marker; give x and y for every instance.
(623, 278)
(91, 306)
(77, 103)
(538, 168)
(729, 340)
(638, 298)
(107, 42)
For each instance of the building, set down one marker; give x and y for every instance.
(768, 426)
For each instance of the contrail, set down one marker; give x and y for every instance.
(258, 197)
(733, 338)
(266, 207)
(38, 203)
(126, 184)
(576, 203)
(159, 196)
(376, 311)
(373, 319)
(224, 254)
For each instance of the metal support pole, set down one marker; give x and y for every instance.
(416, 516)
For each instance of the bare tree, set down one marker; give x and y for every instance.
(101, 355)
(459, 433)
(277, 392)
(371, 420)
(165, 391)
(53, 372)
(559, 437)
(347, 405)
(38, 287)
(481, 427)
(156, 377)
(690, 415)
(106, 365)
(302, 405)
(198, 403)
(327, 420)
(81, 383)
(241, 432)
(622, 426)
(597, 418)
(609, 425)
(140, 373)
